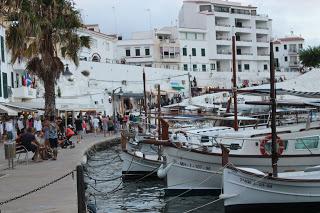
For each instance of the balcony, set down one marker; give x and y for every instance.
(170, 58)
(262, 40)
(294, 64)
(24, 92)
(262, 28)
(223, 38)
(293, 52)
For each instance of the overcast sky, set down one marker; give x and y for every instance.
(126, 16)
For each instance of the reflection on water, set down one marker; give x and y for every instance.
(131, 196)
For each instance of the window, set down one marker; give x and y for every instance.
(239, 67)
(300, 46)
(183, 36)
(285, 58)
(285, 47)
(171, 52)
(191, 36)
(276, 62)
(200, 36)
(265, 67)
(277, 49)
(212, 66)
(307, 143)
(147, 51)
(137, 52)
(194, 67)
(12, 80)
(2, 48)
(128, 53)
(247, 67)
(184, 51)
(221, 9)
(203, 52)
(205, 8)
(194, 52)
(5, 84)
(185, 67)
(204, 67)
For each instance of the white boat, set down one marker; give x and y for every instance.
(136, 164)
(250, 190)
(199, 168)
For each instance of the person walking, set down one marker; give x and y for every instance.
(9, 129)
(37, 125)
(20, 125)
(105, 125)
(95, 122)
(84, 126)
(53, 137)
(79, 128)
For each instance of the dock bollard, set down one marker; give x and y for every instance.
(81, 190)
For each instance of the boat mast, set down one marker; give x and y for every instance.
(234, 70)
(273, 113)
(159, 112)
(145, 99)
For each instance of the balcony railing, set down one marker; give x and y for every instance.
(263, 54)
(262, 28)
(244, 53)
(222, 25)
(223, 39)
(245, 40)
(294, 64)
(24, 92)
(224, 52)
(262, 40)
(245, 27)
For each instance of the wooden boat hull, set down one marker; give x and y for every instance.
(246, 190)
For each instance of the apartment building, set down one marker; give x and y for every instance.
(218, 21)
(286, 53)
(202, 41)
(156, 48)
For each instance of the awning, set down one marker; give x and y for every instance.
(132, 95)
(19, 108)
(7, 110)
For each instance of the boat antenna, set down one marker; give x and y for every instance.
(273, 114)
(234, 79)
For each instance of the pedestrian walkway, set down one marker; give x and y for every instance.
(57, 197)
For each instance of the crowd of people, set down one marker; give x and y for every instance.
(44, 136)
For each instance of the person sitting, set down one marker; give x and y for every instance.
(29, 141)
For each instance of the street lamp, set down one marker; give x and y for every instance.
(67, 72)
(120, 93)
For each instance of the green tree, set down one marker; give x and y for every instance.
(42, 32)
(310, 57)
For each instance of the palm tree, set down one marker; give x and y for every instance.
(310, 57)
(42, 32)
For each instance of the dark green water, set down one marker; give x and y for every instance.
(133, 196)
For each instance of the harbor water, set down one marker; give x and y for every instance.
(108, 193)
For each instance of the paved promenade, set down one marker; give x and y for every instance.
(58, 197)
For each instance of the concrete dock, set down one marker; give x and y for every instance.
(57, 197)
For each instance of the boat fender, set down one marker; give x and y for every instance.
(162, 172)
(263, 142)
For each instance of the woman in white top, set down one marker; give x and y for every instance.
(37, 125)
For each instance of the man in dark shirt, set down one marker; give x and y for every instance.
(29, 141)
(78, 124)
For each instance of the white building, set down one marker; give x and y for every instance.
(286, 53)
(202, 42)
(208, 26)
(5, 74)
(157, 48)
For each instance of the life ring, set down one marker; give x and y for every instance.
(263, 142)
